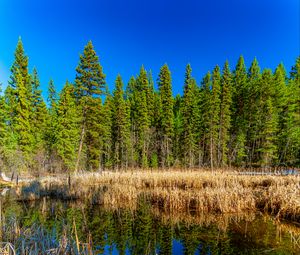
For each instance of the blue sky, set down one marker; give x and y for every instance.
(127, 34)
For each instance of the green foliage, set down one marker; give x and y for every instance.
(239, 111)
(239, 118)
(141, 120)
(39, 113)
(105, 118)
(187, 115)
(67, 129)
(167, 120)
(23, 122)
(20, 67)
(120, 126)
(205, 121)
(215, 117)
(90, 79)
(89, 85)
(225, 114)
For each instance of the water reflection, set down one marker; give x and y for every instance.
(150, 231)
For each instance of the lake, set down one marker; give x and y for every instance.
(144, 230)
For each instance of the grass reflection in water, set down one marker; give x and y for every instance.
(54, 227)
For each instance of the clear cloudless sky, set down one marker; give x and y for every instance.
(127, 34)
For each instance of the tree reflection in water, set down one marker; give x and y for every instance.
(147, 230)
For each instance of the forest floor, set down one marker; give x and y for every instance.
(175, 191)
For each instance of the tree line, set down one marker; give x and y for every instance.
(241, 117)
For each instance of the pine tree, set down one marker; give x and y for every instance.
(121, 126)
(292, 152)
(167, 121)
(51, 125)
(269, 125)
(178, 129)
(142, 120)
(23, 110)
(254, 113)
(150, 98)
(225, 114)
(239, 108)
(89, 83)
(130, 88)
(10, 157)
(20, 68)
(52, 95)
(215, 117)
(131, 104)
(39, 112)
(151, 95)
(9, 106)
(19, 75)
(106, 140)
(93, 134)
(280, 101)
(67, 129)
(188, 106)
(156, 135)
(205, 123)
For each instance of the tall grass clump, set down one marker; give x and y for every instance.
(177, 191)
(36, 239)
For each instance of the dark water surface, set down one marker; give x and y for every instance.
(148, 231)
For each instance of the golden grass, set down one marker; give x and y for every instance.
(176, 191)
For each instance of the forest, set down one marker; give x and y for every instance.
(233, 117)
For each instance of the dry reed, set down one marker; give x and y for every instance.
(177, 191)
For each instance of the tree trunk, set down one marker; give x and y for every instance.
(80, 148)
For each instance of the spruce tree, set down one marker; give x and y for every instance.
(167, 120)
(106, 139)
(19, 75)
(20, 67)
(51, 125)
(22, 122)
(292, 153)
(52, 95)
(93, 134)
(156, 132)
(39, 114)
(280, 101)
(142, 120)
(89, 84)
(239, 110)
(178, 129)
(225, 113)
(153, 129)
(188, 106)
(267, 147)
(150, 98)
(120, 126)
(205, 123)
(254, 116)
(9, 116)
(67, 129)
(130, 93)
(8, 142)
(215, 117)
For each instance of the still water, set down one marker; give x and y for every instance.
(144, 230)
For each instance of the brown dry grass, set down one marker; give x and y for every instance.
(178, 191)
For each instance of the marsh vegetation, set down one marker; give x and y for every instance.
(175, 191)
